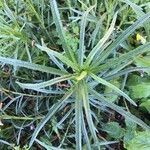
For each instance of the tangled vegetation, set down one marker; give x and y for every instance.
(75, 74)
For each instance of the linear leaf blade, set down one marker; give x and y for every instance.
(46, 83)
(60, 30)
(101, 42)
(59, 56)
(78, 119)
(119, 110)
(123, 36)
(114, 62)
(106, 83)
(47, 117)
(88, 111)
(20, 63)
(82, 35)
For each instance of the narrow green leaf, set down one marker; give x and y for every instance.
(82, 36)
(60, 30)
(10, 14)
(139, 11)
(38, 16)
(7, 117)
(88, 145)
(60, 56)
(88, 111)
(78, 119)
(99, 45)
(104, 82)
(32, 9)
(46, 83)
(118, 109)
(122, 37)
(7, 143)
(48, 147)
(47, 117)
(126, 71)
(20, 63)
(127, 57)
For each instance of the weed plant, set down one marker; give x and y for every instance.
(69, 77)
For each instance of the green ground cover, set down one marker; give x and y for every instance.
(74, 74)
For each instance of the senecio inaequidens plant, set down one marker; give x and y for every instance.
(89, 69)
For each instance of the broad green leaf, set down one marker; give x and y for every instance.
(146, 105)
(141, 90)
(141, 141)
(20, 63)
(130, 130)
(110, 94)
(143, 62)
(129, 134)
(118, 109)
(114, 130)
(47, 117)
(46, 83)
(104, 82)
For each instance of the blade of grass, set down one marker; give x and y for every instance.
(7, 117)
(104, 82)
(10, 14)
(38, 16)
(47, 117)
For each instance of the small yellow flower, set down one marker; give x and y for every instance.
(140, 38)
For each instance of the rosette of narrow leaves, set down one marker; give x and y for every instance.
(90, 69)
